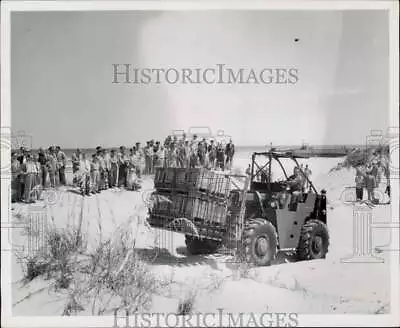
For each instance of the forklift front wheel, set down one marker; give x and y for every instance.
(260, 242)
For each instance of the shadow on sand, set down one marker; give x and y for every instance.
(163, 256)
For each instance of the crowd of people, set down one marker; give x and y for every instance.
(32, 172)
(108, 168)
(369, 177)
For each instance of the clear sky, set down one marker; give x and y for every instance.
(62, 91)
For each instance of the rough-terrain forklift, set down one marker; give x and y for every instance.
(262, 218)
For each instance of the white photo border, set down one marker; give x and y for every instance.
(7, 7)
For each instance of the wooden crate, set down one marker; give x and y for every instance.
(181, 177)
(221, 184)
(207, 210)
(169, 177)
(159, 177)
(199, 179)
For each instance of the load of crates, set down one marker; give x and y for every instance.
(197, 194)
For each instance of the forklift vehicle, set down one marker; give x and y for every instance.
(263, 216)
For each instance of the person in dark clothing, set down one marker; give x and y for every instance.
(42, 159)
(22, 155)
(212, 154)
(359, 180)
(295, 183)
(22, 159)
(61, 163)
(370, 183)
(229, 153)
(16, 195)
(220, 157)
(123, 160)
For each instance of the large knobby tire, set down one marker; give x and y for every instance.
(196, 246)
(314, 241)
(260, 242)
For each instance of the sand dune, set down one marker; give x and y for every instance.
(322, 286)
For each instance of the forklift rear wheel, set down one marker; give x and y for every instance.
(314, 241)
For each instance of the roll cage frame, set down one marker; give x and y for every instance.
(257, 168)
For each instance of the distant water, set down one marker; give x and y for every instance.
(241, 151)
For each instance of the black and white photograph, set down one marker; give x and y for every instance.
(227, 166)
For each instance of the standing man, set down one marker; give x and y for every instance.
(61, 163)
(212, 154)
(84, 175)
(95, 174)
(147, 156)
(106, 156)
(102, 169)
(229, 153)
(42, 159)
(16, 195)
(370, 184)
(75, 165)
(21, 159)
(122, 167)
(186, 160)
(181, 153)
(114, 166)
(359, 180)
(220, 157)
(52, 167)
(30, 172)
(172, 155)
(155, 160)
(202, 153)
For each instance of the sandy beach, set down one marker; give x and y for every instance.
(317, 287)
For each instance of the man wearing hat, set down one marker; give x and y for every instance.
(229, 153)
(75, 164)
(122, 166)
(52, 167)
(212, 154)
(114, 167)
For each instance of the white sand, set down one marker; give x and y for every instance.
(323, 286)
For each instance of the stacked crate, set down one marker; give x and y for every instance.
(199, 195)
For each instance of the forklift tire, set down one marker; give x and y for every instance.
(314, 241)
(196, 246)
(260, 242)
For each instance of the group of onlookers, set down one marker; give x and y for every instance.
(369, 177)
(106, 169)
(196, 152)
(32, 172)
(35, 171)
